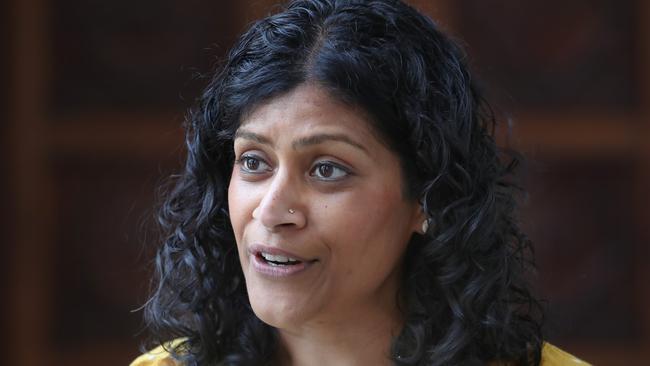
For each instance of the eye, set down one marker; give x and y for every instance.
(253, 164)
(329, 171)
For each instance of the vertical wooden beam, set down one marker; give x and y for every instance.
(6, 224)
(643, 192)
(29, 301)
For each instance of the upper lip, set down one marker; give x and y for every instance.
(256, 249)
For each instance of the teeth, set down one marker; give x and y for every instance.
(278, 258)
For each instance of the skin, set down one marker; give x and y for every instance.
(307, 152)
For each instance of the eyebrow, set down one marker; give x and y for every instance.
(304, 141)
(252, 136)
(322, 137)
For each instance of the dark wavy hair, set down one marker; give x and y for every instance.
(464, 296)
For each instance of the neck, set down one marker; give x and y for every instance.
(363, 338)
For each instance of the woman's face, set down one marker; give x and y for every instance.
(317, 207)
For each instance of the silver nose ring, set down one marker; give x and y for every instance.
(292, 211)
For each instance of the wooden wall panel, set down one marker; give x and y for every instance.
(537, 56)
(125, 55)
(105, 241)
(585, 236)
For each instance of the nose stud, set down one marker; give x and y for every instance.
(292, 211)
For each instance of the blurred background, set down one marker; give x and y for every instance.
(94, 94)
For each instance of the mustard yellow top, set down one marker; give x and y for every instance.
(551, 356)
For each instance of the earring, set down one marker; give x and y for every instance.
(425, 226)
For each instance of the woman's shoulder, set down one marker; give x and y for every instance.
(159, 356)
(553, 356)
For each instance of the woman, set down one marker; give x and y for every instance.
(343, 203)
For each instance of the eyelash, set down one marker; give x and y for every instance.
(247, 158)
(333, 165)
(244, 159)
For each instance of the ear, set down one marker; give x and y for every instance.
(420, 221)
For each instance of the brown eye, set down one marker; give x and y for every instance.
(325, 170)
(251, 163)
(329, 171)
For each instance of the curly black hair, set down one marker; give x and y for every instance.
(465, 296)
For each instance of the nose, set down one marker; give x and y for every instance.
(281, 207)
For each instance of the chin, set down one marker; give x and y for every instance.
(278, 311)
(278, 317)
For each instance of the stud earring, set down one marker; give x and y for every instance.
(425, 226)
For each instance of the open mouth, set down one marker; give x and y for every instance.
(278, 260)
(275, 263)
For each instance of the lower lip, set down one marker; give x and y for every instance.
(265, 268)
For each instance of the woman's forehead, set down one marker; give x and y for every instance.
(305, 108)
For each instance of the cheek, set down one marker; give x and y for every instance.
(366, 240)
(369, 220)
(237, 204)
